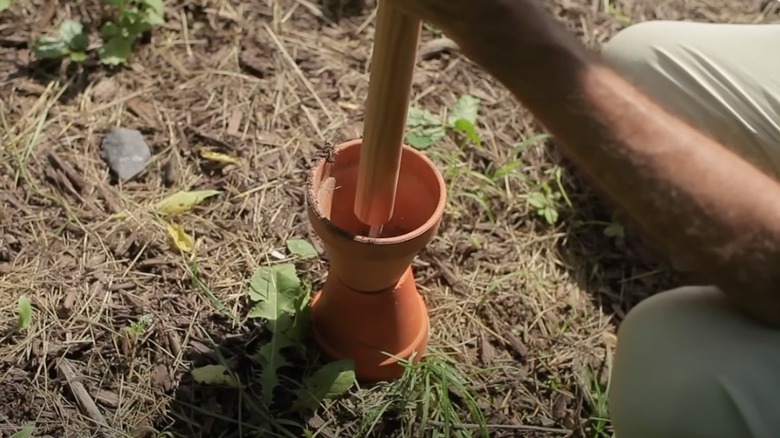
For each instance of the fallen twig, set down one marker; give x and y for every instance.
(70, 172)
(83, 399)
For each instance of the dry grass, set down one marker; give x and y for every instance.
(523, 312)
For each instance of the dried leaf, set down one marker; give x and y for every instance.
(119, 216)
(217, 157)
(181, 202)
(25, 313)
(181, 240)
(517, 346)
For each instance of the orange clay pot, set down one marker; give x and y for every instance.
(369, 309)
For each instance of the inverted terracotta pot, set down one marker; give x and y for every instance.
(369, 307)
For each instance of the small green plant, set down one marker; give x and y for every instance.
(71, 42)
(546, 199)
(132, 19)
(425, 129)
(545, 202)
(301, 248)
(435, 393)
(138, 328)
(612, 228)
(281, 301)
(598, 424)
(278, 298)
(615, 229)
(616, 12)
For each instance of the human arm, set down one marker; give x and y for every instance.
(667, 176)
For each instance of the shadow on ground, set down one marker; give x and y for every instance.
(607, 256)
(222, 393)
(217, 407)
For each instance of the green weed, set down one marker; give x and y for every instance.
(546, 198)
(615, 229)
(132, 19)
(70, 42)
(432, 398)
(138, 328)
(281, 302)
(429, 400)
(598, 424)
(615, 11)
(425, 129)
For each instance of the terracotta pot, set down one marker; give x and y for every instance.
(370, 306)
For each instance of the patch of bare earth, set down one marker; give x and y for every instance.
(526, 310)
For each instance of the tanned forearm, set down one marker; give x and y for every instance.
(703, 201)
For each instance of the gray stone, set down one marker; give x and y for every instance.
(126, 152)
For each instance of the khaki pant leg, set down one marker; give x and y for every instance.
(688, 366)
(722, 78)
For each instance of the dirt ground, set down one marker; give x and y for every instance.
(523, 311)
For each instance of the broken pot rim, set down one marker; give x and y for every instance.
(436, 217)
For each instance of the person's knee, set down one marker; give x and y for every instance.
(632, 408)
(673, 62)
(672, 369)
(634, 47)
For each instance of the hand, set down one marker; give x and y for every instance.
(510, 39)
(473, 22)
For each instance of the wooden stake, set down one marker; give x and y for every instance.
(390, 85)
(375, 231)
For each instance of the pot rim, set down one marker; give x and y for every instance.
(432, 221)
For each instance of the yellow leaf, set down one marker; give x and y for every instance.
(119, 216)
(181, 239)
(218, 157)
(183, 201)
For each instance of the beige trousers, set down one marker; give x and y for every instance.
(687, 365)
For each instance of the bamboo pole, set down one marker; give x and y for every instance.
(390, 84)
